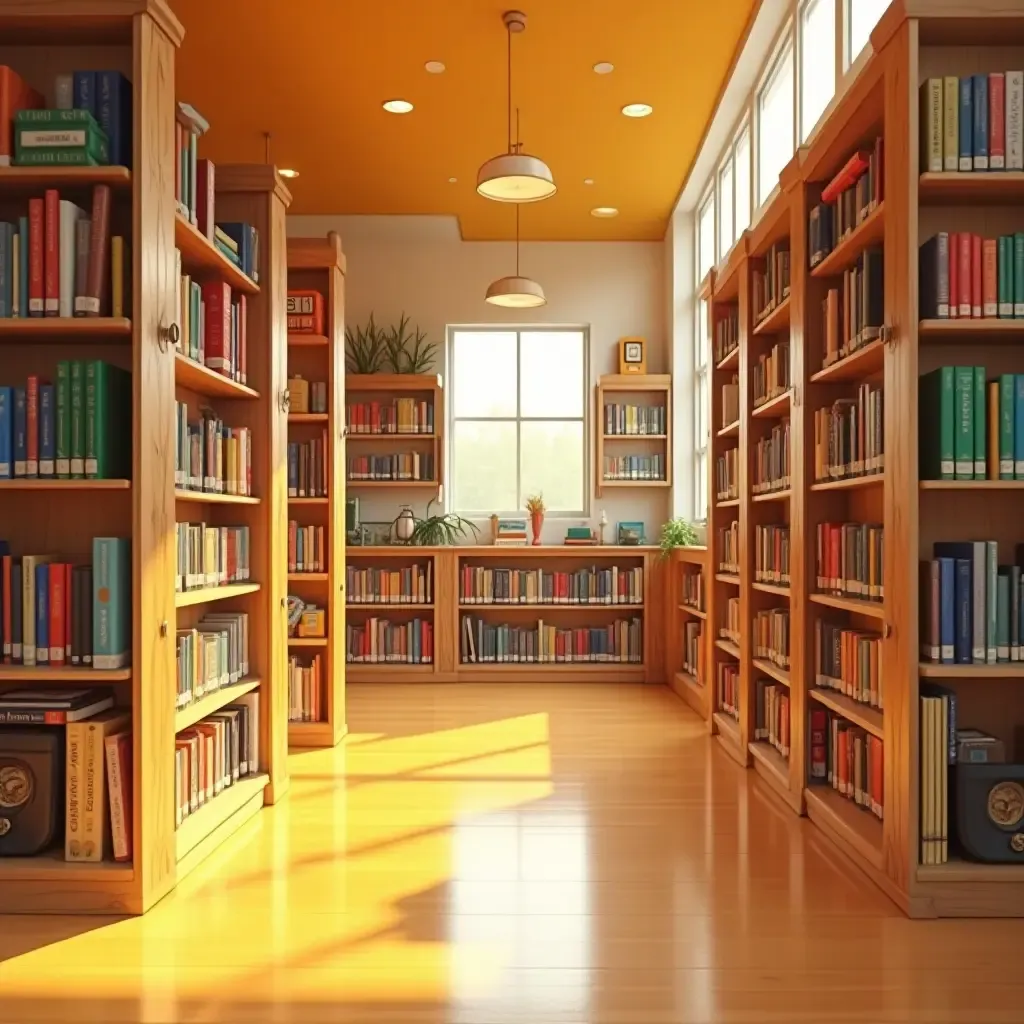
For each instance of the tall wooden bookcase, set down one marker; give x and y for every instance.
(140, 37)
(690, 681)
(318, 264)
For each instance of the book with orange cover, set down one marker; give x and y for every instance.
(15, 94)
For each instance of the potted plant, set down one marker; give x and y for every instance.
(407, 352)
(536, 507)
(677, 533)
(436, 531)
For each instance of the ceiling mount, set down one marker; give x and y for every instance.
(515, 21)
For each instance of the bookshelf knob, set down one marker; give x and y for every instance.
(169, 335)
(163, 628)
(284, 602)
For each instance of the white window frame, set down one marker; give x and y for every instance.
(702, 396)
(519, 419)
(710, 197)
(786, 46)
(804, 130)
(850, 58)
(726, 203)
(743, 129)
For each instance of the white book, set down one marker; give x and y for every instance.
(1015, 120)
(69, 214)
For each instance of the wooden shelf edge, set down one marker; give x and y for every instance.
(775, 321)
(728, 647)
(845, 254)
(203, 595)
(868, 718)
(202, 824)
(862, 362)
(780, 675)
(60, 484)
(850, 483)
(213, 498)
(212, 702)
(1001, 670)
(856, 606)
(53, 868)
(774, 768)
(69, 673)
(854, 830)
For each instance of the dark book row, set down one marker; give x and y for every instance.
(849, 436)
(771, 467)
(849, 560)
(771, 554)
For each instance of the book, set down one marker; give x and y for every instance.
(112, 602)
(118, 751)
(52, 706)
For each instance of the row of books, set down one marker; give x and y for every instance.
(848, 759)
(771, 715)
(305, 686)
(488, 585)
(210, 456)
(771, 636)
(307, 468)
(307, 549)
(729, 547)
(694, 651)
(210, 556)
(849, 436)
(212, 325)
(727, 475)
(691, 590)
(964, 276)
(211, 655)
(770, 285)
(973, 123)
(399, 416)
(194, 179)
(395, 466)
(771, 467)
(78, 427)
(976, 427)
(849, 560)
(306, 396)
(730, 402)
(211, 756)
(849, 662)
(634, 419)
(971, 608)
(55, 613)
(733, 626)
(481, 641)
(852, 316)
(61, 261)
(379, 641)
(727, 687)
(771, 554)
(939, 751)
(634, 467)
(408, 584)
(771, 376)
(727, 333)
(846, 202)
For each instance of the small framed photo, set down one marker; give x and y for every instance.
(634, 352)
(632, 355)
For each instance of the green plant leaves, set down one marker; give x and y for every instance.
(365, 348)
(676, 533)
(438, 531)
(407, 352)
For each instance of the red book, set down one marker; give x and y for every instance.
(217, 297)
(68, 620)
(204, 197)
(964, 273)
(36, 221)
(853, 169)
(989, 277)
(976, 289)
(15, 94)
(240, 369)
(954, 275)
(98, 274)
(58, 575)
(51, 252)
(118, 751)
(996, 121)
(8, 653)
(32, 427)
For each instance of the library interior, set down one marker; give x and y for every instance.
(572, 610)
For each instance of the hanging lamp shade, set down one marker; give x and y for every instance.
(515, 178)
(515, 293)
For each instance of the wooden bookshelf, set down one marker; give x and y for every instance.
(689, 681)
(140, 38)
(648, 390)
(319, 264)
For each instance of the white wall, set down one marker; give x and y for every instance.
(420, 266)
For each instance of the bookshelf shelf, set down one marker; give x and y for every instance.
(636, 483)
(776, 321)
(204, 381)
(308, 501)
(634, 437)
(66, 674)
(773, 762)
(403, 438)
(783, 495)
(971, 485)
(727, 727)
(770, 588)
(204, 595)
(774, 408)
(212, 498)
(729, 647)
(960, 871)
(649, 390)
(860, 364)
(308, 341)
(769, 668)
(730, 362)
(49, 484)
(34, 179)
(244, 799)
(66, 330)
(212, 702)
(874, 609)
(852, 827)
(384, 606)
(52, 868)
(380, 485)
(1002, 670)
(308, 417)
(959, 187)
(850, 483)
(725, 577)
(200, 255)
(728, 503)
(732, 430)
(309, 577)
(307, 641)
(568, 607)
(869, 232)
(869, 719)
(688, 609)
(955, 332)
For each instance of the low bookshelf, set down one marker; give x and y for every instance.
(316, 528)
(687, 647)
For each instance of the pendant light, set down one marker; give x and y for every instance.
(514, 177)
(516, 292)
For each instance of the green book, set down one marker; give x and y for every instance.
(1003, 614)
(97, 429)
(992, 618)
(1007, 390)
(963, 424)
(62, 431)
(1018, 274)
(77, 418)
(1004, 276)
(56, 119)
(936, 431)
(73, 156)
(980, 424)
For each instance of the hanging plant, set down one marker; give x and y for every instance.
(365, 348)
(407, 352)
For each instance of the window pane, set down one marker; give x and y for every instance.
(700, 488)
(552, 373)
(725, 235)
(775, 125)
(701, 349)
(484, 373)
(742, 165)
(484, 467)
(551, 460)
(701, 398)
(706, 239)
(817, 61)
(863, 15)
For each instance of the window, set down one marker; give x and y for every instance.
(775, 143)
(518, 420)
(861, 18)
(817, 61)
(726, 235)
(741, 161)
(701, 406)
(706, 237)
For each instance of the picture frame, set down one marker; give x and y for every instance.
(630, 534)
(632, 356)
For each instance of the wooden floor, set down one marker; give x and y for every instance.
(517, 853)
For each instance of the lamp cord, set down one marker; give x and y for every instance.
(508, 32)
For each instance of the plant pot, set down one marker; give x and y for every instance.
(537, 522)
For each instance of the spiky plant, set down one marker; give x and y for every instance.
(365, 348)
(408, 352)
(434, 531)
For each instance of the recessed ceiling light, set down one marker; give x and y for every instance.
(604, 211)
(637, 109)
(451, 181)
(397, 106)
(604, 67)
(287, 172)
(588, 181)
(434, 67)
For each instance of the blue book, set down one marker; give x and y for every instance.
(293, 470)
(6, 433)
(966, 126)
(6, 270)
(947, 610)
(245, 237)
(84, 85)
(980, 122)
(47, 430)
(114, 113)
(962, 601)
(20, 432)
(111, 602)
(23, 266)
(42, 614)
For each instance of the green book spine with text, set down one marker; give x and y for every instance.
(1004, 276)
(77, 418)
(980, 425)
(963, 440)
(62, 431)
(991, 575)
(97, 432)
(1007, 391)
(1018, 274)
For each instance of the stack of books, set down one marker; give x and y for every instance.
(579, 537)
(511, 533)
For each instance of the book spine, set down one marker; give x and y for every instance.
(97, 273)
(6, 432)
(1007, 426)
(42, 614)
(84, 85)
(962, 597)
(1018, 274)
(980, 101)
(1015, 120)
(966, 124)
(111, 565)
(20, 432)
(980, 424)
(36, 249)
(931, 124)
(964, 424)
(62, 426)
(23, 262)
(1003, 617)
(28, 610)
(51, 252)
(32, 427)
(950, 123)
(1006, 276)
(991, 576)
(77, 419)
(979, 613)
(964, 274)
(976, 276)
(47, 466)
(996, 121)
(117, 775)
(97, 413)
(117, 276)
(74, 781)
(58, 599)
(6, 274)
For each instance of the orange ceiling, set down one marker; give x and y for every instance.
(315, 72)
